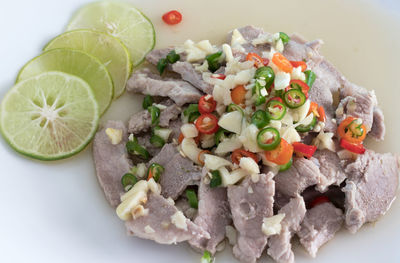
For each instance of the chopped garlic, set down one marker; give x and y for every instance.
(255, 178)
(262, 39)
(279, 45)
(282, 80)
(301, 112)
(203, 67)
(237, 40)
(149, 230)
(244, 76)
(179, 220)
(249, 165)
(249, 138)
(115, 135)
(234, 177)
(228, 145)
(153, 186)
(212, 162)
(231, 121)
(134, 197)
(198, 52)
(325, 141)
(290, 135)
(160, 106)
(141, 170)
(139, 211)
(171, 201)
(189, 130)
(228, 52)
(298, 74)
(207, 141)
(272, 225)
(163, 133)
(222, 94)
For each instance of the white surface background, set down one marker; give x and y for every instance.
(55, 212)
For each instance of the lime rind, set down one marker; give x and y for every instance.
(74, 62)
(50, 116)
(108, 49)
(121, 20)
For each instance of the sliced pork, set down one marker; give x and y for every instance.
(250, 203)
(145, 82)
(179, 172)
(371, 187)
(280, 248)
(158, 225)
(111, 161)
(331, 167)
(213, 216)
(319, 226)
(191, 75)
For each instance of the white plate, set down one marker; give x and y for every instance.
(56, 212)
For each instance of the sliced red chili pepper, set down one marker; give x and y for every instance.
(265, 61)
(299, 84)
(207, 123)
(275, 98)
(321, 112)
(239, 153)
(301, 64)
(319, 200)
(218, 76)
(282, 62)
(304, 150)
(201, 157)
(207, 104)
(258, 61)
(348, 131)
(172, 17)
(280, 155)
(238, 94)
(180, 138)
(352, 147)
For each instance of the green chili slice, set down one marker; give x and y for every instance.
(307, 128)
(268, 138)
(267, 74)
(161, 65)
(128, 181)
(134, 148)
(216, 179)
(275, 110)
(154, 113)
(192, 112)
(157, 141)
(192, 198)
(206, 258)
(155, 170)
(219, 136)
(285, 38)
(172, 57)
(147, 101)
(260, 119)
(294, 98)
(233, 107)
(214, 61)
(278, 93)
(286, 166)
(355, 128)
(310, 77)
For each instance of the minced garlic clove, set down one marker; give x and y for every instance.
(115, 135)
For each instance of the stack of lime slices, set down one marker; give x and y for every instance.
(53, 110)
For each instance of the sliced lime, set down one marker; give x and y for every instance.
(108, 49)
(121, 20)
(50, 116)
(77, 63)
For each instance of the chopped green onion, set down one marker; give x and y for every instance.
(157, 141)
(206, 258)
(192, 112)
(216, 179)
(294, 98)
(268, 138)
(128, 181)
(161, 65)
(307, 128)
(275, 110)
(214, 61)
(233, 107)
(154, 113)
(172, 57)
(310, 77)
(286, 166)
(147, 102)
(192, 198)
(155, 171)
(260, 100)
(267, 74)
(219, 136)
(285, 38)
(260, 119)
(134, 148)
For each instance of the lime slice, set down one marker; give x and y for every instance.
(50, 116)
(121, 20)
(108, 49)
(77, 63)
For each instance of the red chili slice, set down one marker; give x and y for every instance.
(304, 150)
(352, 147)
(319, 200)
(239, 153)
(207, 123)
(258, 61)
(218, 76)
(275, 98)
(207, 104)
(172, 17)
(301, 64)
(304, 87)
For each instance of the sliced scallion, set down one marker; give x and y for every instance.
(128, 181)
(154, 113)
(157, 141)
(134, 148)
(310, 77)
(161, 65)
(216, 179)
(192, 198)
(147, 101)
(214, 61)
(172, 57)
(155, 171)
(206, 258)
(284, 37)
